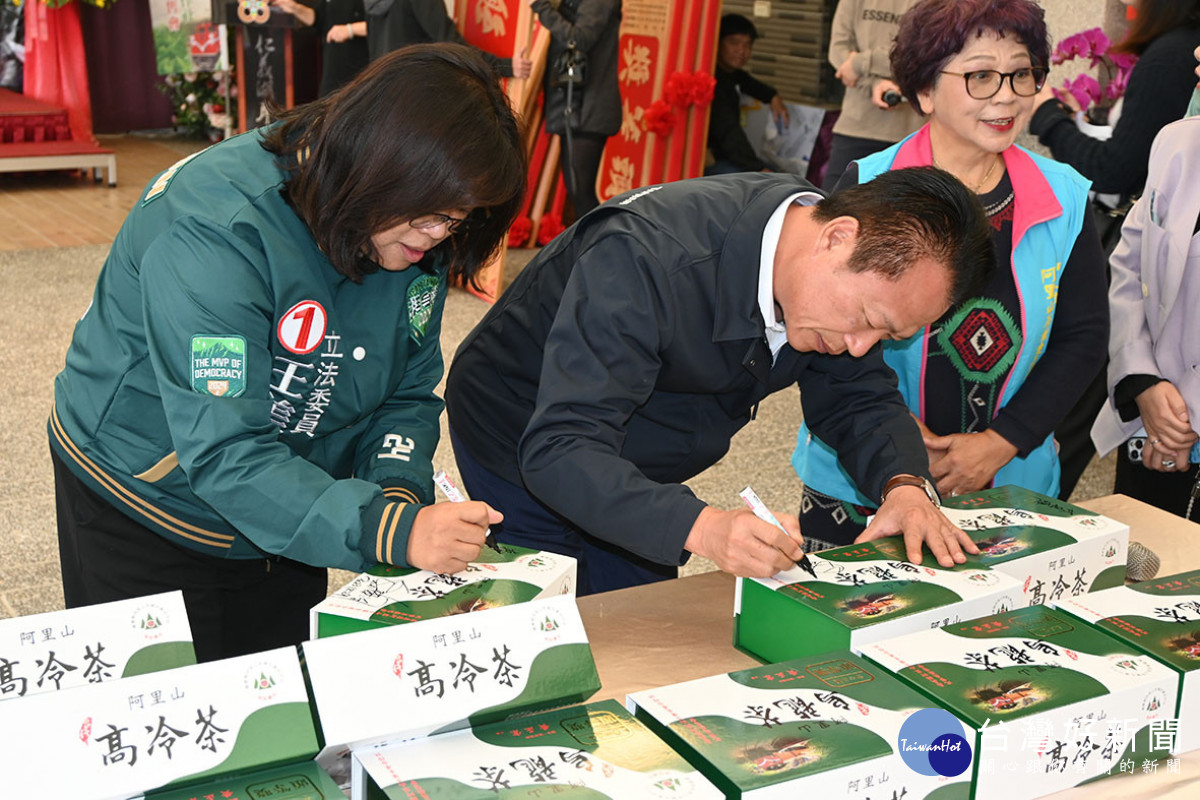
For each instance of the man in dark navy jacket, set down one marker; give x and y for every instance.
(630, 350)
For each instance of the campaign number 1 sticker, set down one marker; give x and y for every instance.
(302, 327)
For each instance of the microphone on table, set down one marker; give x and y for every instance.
(1142, 563)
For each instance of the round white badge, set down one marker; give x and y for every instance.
(302, 327)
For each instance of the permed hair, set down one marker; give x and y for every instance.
(424, 129)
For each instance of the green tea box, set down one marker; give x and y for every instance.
(825, 726)
(93, 644)
(162, 730)
(387, 595)
(861, 593)
(1051, 701)
(402, 682)
(303, 780)
(1055, 550)
(596, 751)
(1160, 617)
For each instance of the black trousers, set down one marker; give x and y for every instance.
(582, 160)
(235, 606)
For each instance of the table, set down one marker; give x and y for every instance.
(681, 630)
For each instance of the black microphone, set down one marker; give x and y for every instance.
(892, 97)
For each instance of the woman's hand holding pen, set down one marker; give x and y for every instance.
(445, 537)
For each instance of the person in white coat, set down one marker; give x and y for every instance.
(1153, 408)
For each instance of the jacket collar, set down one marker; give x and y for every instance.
(1034, 199)
(736, 315)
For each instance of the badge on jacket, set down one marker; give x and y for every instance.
(219, 365)
(422, 294)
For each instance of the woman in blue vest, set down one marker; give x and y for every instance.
(989, 382)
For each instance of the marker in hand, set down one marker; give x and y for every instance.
(764, 513)
(455, 496)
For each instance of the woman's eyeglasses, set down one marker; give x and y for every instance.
(984, 84)
(427, 221)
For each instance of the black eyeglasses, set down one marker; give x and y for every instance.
(984, 84)
(427, 221)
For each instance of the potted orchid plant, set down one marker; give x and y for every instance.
(1095, 94)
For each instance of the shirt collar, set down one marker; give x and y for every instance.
(775, 330)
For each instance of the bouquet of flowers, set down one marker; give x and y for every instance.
(1095, 94)
(199, 105)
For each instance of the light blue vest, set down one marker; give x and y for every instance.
(1039, 256)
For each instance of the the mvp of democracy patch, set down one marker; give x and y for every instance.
(219, 365)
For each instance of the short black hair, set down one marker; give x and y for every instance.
(919, 212)
(732, 24)
(423, 129)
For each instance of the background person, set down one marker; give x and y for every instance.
(343, 27)
(860, 41)
(392, 24)
(727, 139)
(987, 382)
(1163, 35)
(250, 396)
(1154, 394)
(594, 114)
(625, 356)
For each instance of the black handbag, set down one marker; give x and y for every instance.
(569, 68)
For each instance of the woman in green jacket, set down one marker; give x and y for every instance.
(249, 399)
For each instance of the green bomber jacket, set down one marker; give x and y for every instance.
(230, 390)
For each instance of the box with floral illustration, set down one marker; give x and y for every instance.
(1160, 617)
(596, 751)
(387, 595)
(1053, 549)
(861, 593)
(1050, 700)
(828, 726)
